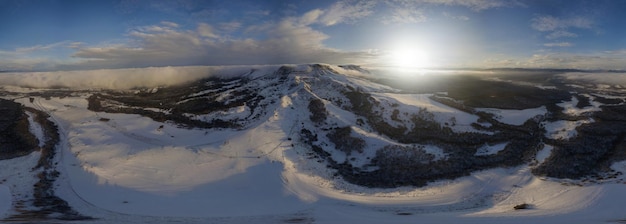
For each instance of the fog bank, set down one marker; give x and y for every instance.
(608, 78)
(119, 78)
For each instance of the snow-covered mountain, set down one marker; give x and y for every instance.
(303, 137)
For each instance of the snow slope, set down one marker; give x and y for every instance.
(17, 178)
(515, 117)
(443, 113)
(132, 169)
(5, 200)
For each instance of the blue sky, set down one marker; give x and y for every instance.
(48, 35)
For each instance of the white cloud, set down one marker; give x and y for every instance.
(230, 26)
(206, 30)
(412, 11)
(170, 24)
(290, 40)
(294, 39)
(40, 47)
(32, 57)
(559, 34)
(107, 78)
(311, 17)
(404, 12)
(476, 5)
(559, 28)
(550, 23)
(558, 44)
(405, 15)
(597, 60)
(24, 63)
(346, 12)
(126, 78)
(457, 17)
(611, 78)
(75, 45)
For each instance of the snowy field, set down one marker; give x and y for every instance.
(131, 169)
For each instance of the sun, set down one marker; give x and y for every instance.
(410, 58)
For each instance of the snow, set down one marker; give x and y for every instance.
(542, 196)
(132, 169)
(129, 165)
(435, 151)
(234, 113)
(36, 129)
(608, 96)
(569, 107)
(515, 117)
(291, 185)
(490, 149)
(5, 199)
(563, 129)
(443, 113)
(16, 180)
(544, 153)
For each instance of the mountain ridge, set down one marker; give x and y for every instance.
(336, 128)
(256, 95)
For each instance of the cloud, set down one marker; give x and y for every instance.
(32, 57)
(291, 40)
(230, 26)
(346, 12)
(596, 60)
(611, 78)
(206, 30)
(476, 5)
(215, 41)
(412, 11)
(170, 24)
(550, 23)
(559, 34)
(311, 17)
(118, 78)
(40, 47)
(558, 28)
(457, 17)
(23, 63)
(408, 14)
(75, 45)
(288, 40)
(558, 44)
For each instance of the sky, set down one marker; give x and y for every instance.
(52, 35)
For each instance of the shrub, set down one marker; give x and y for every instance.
(344, 141)
(522, 206)
(318, 111)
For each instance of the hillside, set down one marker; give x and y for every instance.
(474, 144)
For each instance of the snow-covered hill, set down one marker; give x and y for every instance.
(320, 144)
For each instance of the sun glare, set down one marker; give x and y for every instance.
(410, 58)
